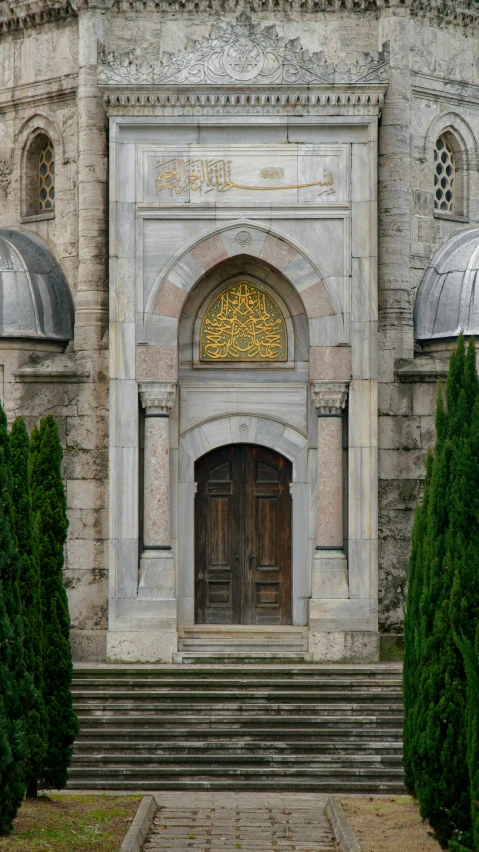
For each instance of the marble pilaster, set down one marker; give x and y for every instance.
(157, 576)
(330, 575)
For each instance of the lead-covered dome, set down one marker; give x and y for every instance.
(447, 301)
(35, 301)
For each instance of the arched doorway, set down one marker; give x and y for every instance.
(243, 536)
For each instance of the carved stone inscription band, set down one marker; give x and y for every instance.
(157, 399)
(330, 400)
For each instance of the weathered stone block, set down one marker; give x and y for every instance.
(402, 464)
(399, 433)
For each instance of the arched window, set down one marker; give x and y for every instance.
(451, 174)
(39, 185)
(46, 177)
(444, 176)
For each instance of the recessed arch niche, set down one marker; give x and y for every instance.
(276, 288)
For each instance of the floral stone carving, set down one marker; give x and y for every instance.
(242, 52)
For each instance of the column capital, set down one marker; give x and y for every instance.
(157, 397)
(329, 397)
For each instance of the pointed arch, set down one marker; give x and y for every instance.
(243, 238)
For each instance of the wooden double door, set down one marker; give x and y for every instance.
(243, 537)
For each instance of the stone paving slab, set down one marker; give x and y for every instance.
(252, 822)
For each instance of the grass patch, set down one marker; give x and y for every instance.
(388, 824)
(71, 824)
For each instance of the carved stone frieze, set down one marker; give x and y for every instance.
(329, 398)
(242, 52)
(6, 168)
(23, 14)
(157, 397)
(463, 13)
(366, 100)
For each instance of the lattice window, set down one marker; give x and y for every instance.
(444, 176)
(46, 178)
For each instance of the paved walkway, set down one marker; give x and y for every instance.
(252, 822)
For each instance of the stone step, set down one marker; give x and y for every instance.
(242, 715)
(360, 785)
(108, 672)
(229, 760)
(265, 658)
(296, 727)
(286, 695)
(328, 735)
(338, 684)
(208, 747)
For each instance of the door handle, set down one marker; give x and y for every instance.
(251, 557)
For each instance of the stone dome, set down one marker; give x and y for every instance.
(447, 301)
(35, 301)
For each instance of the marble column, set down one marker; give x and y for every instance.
(330, 576)
(157, 579)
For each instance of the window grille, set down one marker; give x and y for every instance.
(444, 175)
(46, 175)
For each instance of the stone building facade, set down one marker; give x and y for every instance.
(215, 220)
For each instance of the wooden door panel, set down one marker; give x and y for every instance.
(267, 587)
(243, 537)
(217, 580)
(268, 529)
(219, 530)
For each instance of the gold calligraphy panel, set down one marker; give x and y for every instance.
(243, 323)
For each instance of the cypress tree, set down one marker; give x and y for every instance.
(471, 665)
(51, 523)
(443, 601)
(31, 603)
(412, 635)
(12, 748)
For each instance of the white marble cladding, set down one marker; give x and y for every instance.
(286, 403)
(325, 250)
(232, 174)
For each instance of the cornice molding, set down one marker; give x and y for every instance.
(461, 13)
(453, 11)
(27, 14)
(326, 100)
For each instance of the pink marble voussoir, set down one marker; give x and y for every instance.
(316, 301)
(330, 363)
(169, 301)
(277, 252)
(156, 363)
(210, 252)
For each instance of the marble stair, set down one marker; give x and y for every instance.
(212, 643)
(238, 727)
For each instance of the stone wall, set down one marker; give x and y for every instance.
(434, 85)
(38, 91)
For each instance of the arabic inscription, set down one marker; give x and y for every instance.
(243, 323)
(179, 174)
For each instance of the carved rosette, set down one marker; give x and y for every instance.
(158, 397)
(329, 398)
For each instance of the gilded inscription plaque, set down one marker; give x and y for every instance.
(243, 323)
